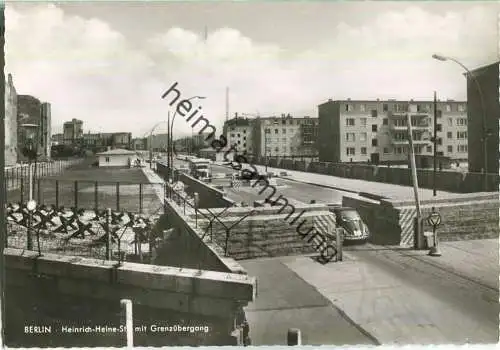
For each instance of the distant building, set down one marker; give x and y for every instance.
(376, 131)
(118, 158)
(73, 132)
(140, 143)
(57, 139)
(483, 120)
(121, 140)
(11, 146)
(284, 136)
(31, 111)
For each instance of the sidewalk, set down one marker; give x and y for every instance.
(400, 299)
(391, 191)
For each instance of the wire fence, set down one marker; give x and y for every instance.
(142, 198)
(106, 235)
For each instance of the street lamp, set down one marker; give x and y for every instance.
(170, 143)
(30, 151)
(151, 143)
(481, 96)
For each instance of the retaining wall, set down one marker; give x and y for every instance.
(64, 291)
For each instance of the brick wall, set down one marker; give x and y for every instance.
(56, 291)
(391, 222)
(265, 233)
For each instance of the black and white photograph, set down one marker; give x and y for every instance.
(250, 173)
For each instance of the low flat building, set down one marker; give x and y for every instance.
(118, 158)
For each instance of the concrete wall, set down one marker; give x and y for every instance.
(118, 160)
(58, 290)
(185, 247)
(210, 197)
(473, 216)
(449, 181)
(265, 233)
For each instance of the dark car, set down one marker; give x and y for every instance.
(355, 230)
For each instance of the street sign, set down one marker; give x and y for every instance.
(434, 219)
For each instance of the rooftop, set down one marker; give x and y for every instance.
(117, 151)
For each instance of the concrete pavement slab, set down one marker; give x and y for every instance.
(285, 301)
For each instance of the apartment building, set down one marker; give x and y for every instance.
(376, 131)
(73, 132)
(483, 118)
(11, 145)
(239, 132)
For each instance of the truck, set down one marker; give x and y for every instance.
(200, 168)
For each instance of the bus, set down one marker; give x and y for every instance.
(200, 168)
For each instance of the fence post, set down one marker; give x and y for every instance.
(140, 198)
(39, 191)
(196, 197)
(76, 195)
(57, 194)
(96, 196)
(127, 318)
(22, 190)
(339, 235)
(108, 234)
(117, 196)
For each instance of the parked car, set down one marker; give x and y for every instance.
(355, 230)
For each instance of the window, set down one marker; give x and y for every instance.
(348, 108)
(350, 151)
(374, 127)
(450, 149)
(268, 131)
(245, 145)
(232, 135)
(277, 149)
(374, 142)
(363, 150)
(439, 127)
(386, 150)
(244, 138)
(440, 141)
(238, 135)
(385, 107)
(362, 136)
(385, 121)
(448, 108)
(363, 121)
(429, 149)
(449, 135)
(462, 148)
(283, 122)
(284, 131)
(283, 139)
(461, 134)
(362, 107)
(107, 159)
(276, 131)
(450, 121)
(461, 108)
(232, 128)
(290, 122)
(462, 121)
(349, 122)
(239, 142)
(350, 137)
(245, 131)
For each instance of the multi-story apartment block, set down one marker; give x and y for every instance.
(31, 111)
(57, 139)
(122, 140)
(11, 145)
(285, 136)
(73, 132)
(239, 133)
(483, 118)
(376, 131)
(103, 140)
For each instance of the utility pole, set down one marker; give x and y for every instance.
(168, 144)
(418, 224)
(434, 139)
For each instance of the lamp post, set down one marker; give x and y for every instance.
(481, 97)
(30, 151)
(170, 155)
(151, 143)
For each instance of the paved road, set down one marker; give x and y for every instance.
(285, 301)
(400, 298)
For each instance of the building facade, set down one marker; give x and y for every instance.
(31, 110)
(11, 145)
(57, 139)
(239, 133)
(483, 118)
(376, 131)
(73, 132)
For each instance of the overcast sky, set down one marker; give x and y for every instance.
(108, 64)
